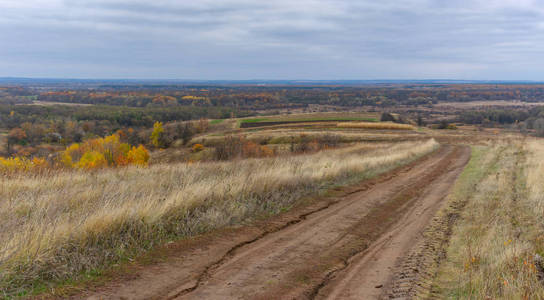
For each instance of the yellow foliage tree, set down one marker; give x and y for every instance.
(92, 160)
(156, 134)
(70, 154)
(91, 154)
(138, 156)
(21, 164)
(103, 152)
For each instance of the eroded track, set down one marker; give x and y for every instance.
(351, 247)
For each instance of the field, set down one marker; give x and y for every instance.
(49, 103)
(330, 116)
(496, 103)
(322, 118)
(139, 195)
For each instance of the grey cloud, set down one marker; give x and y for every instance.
(282, 39)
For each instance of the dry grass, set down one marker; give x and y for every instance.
(315, 116)
(371, 125)
(493, 252)
(286, 136)
(50, 103)
(477, 104)
(60, 225)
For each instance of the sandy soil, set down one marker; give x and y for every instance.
(349, 246)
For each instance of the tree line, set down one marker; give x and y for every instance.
(273, 97)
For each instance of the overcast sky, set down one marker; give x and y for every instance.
(279, 39)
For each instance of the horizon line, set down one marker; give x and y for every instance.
(4, 78)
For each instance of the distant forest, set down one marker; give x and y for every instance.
(139, 105)
(34, 116)
(269, 97)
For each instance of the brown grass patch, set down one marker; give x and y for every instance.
(372, 125)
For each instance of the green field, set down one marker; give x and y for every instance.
(217, 121)
(256, 120)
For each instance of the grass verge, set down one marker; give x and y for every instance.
(495, 246)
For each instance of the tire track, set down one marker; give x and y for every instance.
(328, 235)
(332, 235)
(368, 274)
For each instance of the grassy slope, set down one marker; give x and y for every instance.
(492, 250)
(56, 227)
(287, 136)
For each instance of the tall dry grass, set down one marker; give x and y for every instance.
(59, 225)
(495, 247)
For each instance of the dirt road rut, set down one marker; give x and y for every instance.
(350, 248)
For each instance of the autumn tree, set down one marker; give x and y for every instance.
(103, 152)
(15, 136)
(138, 156)
(185, 131)
(157, 135)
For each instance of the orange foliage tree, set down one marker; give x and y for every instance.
(197, 147)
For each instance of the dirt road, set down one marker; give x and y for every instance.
(350, 247)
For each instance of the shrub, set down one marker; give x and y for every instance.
(387, 117)
(197, 147)
(92, 160)
(443, 124)
(240, 147)
(329, 141)
(138, 156)
(21, 164)
(538, 125)
(230, 148)
(103, 152)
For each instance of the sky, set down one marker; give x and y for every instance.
(279, 39)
